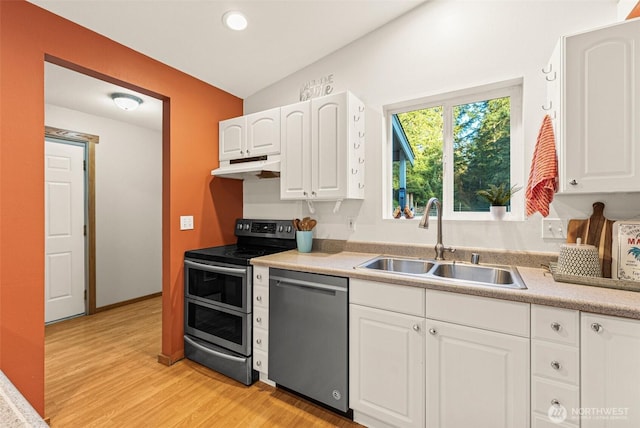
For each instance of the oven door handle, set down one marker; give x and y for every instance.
(210, 268)
(213, 351)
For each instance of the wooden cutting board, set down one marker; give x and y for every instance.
(597, 231)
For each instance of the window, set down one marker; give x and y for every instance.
(453, 145)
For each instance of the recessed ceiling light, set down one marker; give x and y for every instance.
(235, 20)
(126, 102)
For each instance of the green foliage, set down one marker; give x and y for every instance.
(481, 145)
(498, 195)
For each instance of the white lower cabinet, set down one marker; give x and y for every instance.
(408, 371)
(476, 377)
(610, 381)
(555, 367)
(261, 321)
(386, 354)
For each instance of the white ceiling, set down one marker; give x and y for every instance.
(283, 35)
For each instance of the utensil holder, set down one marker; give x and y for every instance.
(304, 239)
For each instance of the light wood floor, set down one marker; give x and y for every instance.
(102, 371)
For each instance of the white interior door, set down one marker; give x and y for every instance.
(64, 231)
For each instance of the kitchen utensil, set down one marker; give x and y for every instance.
(296, 223)
(312, 223)
(579, 260)
(597, 231)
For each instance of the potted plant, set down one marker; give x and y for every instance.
(498, 198)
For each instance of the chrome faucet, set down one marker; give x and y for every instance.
(424, 223)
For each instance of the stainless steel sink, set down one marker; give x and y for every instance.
(455, 272)
(396, 265)
(505, 277)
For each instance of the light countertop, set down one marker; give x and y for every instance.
(15, 410)
(541, 287)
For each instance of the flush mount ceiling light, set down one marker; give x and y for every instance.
(235, 20)
(126, 102)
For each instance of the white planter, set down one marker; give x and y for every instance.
(497, 212)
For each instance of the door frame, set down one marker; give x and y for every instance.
(89, 141)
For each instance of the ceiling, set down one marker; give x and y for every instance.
(283, 36)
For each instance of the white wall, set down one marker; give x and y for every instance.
(439, 47)
(128, 175)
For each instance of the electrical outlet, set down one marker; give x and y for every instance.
(554, 228)
(352, 224)
(186, 222)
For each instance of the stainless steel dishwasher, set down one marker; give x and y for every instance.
(308, 335)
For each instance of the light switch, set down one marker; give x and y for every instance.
(186, 222)
(554, 228)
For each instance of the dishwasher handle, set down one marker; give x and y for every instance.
(307, 284)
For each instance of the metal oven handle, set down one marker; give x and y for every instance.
(210, 268)
(213, 351)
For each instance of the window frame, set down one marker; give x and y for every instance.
(512, 88)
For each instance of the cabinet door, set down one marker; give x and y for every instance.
(602, 106)
(386, 366)
(328, 145)
(232, 138)
(295, 174)
(476, 378)
(263, 133)
(610, 380)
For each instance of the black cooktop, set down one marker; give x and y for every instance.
(255, 238)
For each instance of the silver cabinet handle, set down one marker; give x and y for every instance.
(597, 327)
(416, 327)
(433, 331)
(259, 276)
(259, 320)
(573, 182)
(259, 298)
(259, 363)
(555, 402)
(242, 152)
(555, 365)
(259, 341)
(555, 326)
(247, 151)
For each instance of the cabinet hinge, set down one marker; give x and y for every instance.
(84, 230)
(84, 165)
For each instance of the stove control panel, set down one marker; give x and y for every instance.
(281, 229)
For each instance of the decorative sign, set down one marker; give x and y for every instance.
(626, 250)
(317, 88)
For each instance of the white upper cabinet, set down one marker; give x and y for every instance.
(249, 136)
(323, 149)
(594, 84)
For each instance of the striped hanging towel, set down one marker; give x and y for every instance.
(543, 177)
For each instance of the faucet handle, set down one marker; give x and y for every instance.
(449, 249)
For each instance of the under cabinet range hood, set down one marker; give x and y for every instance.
(249, 168)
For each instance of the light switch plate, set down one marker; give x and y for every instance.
(186, 222)
(554, 228)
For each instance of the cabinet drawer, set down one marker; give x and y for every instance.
(555, 361)
(261, 361)
(490, 314)
(260, 340)
(260, 297)
(555, 324)
(396, 298)
(261, 276)
(544, 392)
(261, 318)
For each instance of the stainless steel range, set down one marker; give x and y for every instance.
(217, 291)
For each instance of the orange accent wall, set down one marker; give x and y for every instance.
(193, 108)
(635, 12)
